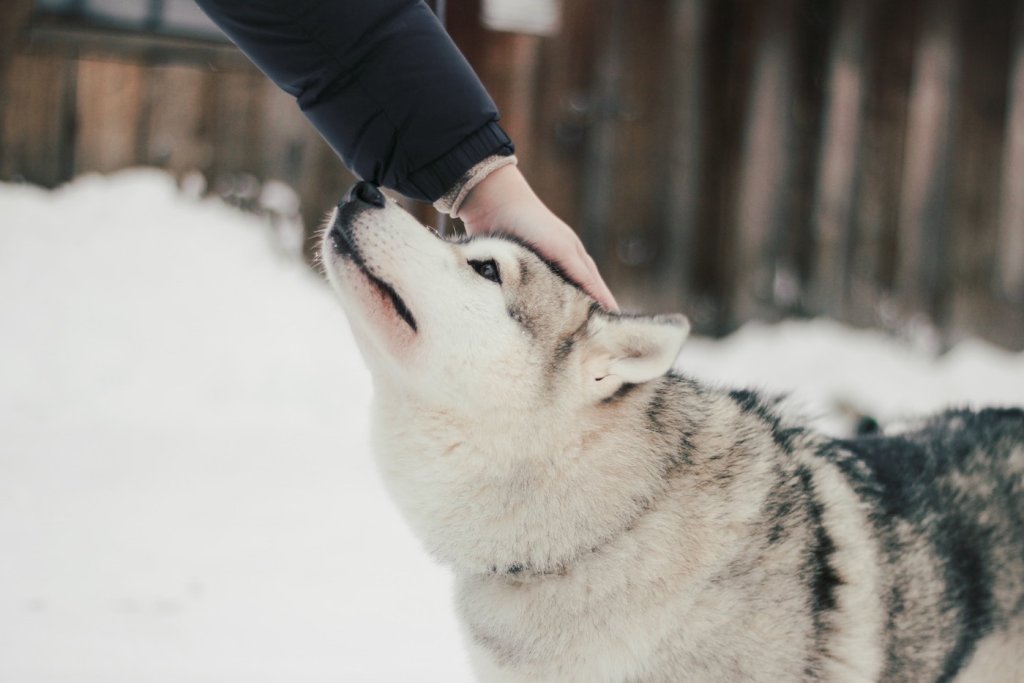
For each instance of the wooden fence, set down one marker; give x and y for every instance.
(728, 158)
(76, 98)
(856, 158)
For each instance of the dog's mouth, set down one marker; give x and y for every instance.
(342, 243)
(345, 247)
(391, 295)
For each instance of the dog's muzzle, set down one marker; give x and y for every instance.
(362, 196)
(367, 193)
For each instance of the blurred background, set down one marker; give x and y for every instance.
(187, 491)
(732, 159)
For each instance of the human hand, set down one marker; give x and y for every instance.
(505, 202)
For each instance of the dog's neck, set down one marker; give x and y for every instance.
(529, 499)
(505, 497)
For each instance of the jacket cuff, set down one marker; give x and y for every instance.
(451, 201)
(437, 178)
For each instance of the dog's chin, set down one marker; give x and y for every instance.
(342, 254)
(392, 301)
(375, 310)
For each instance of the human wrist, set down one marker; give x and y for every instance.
(505, 187)
(453, 201)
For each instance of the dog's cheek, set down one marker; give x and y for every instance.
(386, 333)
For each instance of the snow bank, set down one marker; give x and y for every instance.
(834, 373)
(186, 492)
(185, 487)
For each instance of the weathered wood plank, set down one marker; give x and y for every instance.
(980, 119)
(635, 231)
(38, 119)
(733, 32)
(924, 204)
(893, 31)
(564, 111)
(232, 103)
(814, 31)
(1011, 221)
(685, 132)
(766, 164)
(13, 19)
(12, 28)
(599, 159)
(109, 111)
(61, 36)
(287, 136)
(173, 132)
(839, 160)
(510, 70)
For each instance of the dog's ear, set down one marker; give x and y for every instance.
(630, 350)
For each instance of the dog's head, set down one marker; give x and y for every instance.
(493, 373)
(483, 322)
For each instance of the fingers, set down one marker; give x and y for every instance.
(593, 283)
(564, 247)
(578, 265)
(490, 209)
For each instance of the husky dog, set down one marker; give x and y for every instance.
(608, 519)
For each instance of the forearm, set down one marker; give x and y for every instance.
(380, 80)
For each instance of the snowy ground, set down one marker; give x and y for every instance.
(185, 488)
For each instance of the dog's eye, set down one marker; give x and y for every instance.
(487, 269)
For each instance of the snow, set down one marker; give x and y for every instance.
(833, 372)
(186, 492)
(185, 487)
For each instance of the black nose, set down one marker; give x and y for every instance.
(367, 193)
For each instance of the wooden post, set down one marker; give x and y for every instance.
(685, 137)
(36, 104)
(635, 232)
(839, 161)
(972, 262)
(109, 108)
(510, 72)
(731, 35)
(766, 163)
(599, 159)
(233, 114)
(893, 28)
(507, 65)
(924, 206)
(38, 127)
(15, 15)
(1011, 221)
(286, 152)
(565, 72)
(173, 134)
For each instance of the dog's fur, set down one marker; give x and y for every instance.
(610, 520)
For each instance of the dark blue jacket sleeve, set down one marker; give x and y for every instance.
(380, 79)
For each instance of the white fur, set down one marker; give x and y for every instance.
(501, 430)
